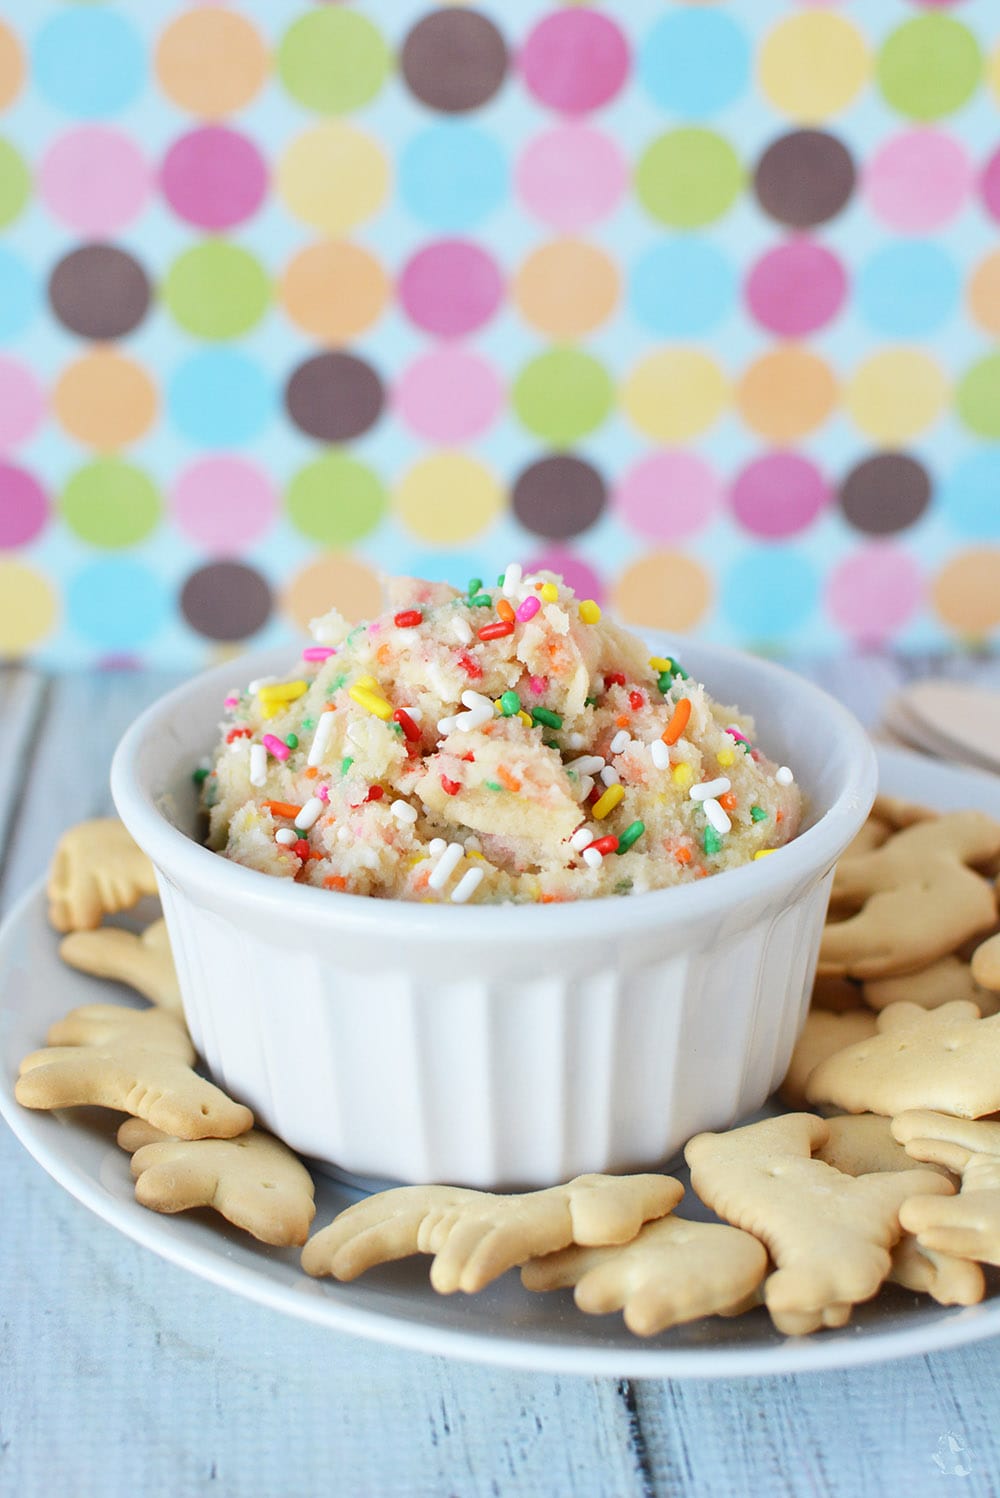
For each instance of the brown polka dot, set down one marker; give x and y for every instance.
(226, 601)
(804, 178)
(454, 60)
(334, 397)
(559, 497)
(885, 493)
(99, 291)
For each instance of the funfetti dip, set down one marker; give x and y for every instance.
(503, 744)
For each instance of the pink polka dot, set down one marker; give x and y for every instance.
(224, 503)
(214, 177)
(668, 496)
(581, 577)
(571, 177)
(796, 288)
(22, 404)
(575, 60)
(449, 395)
(94, 179)
(918, 180)
(778, 495)
(989, 185)
(450, 288)
(871, 593)
(24, 510)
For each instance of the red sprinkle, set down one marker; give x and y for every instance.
(238, 733)
(410, 730)
(452, 787)
(301, 849)
(607, 844)
(375, 793)
(470, 757)
(497, 630)
(596, 794)
(470, 665)
(636, 700)
(615, 679)
(408, 618)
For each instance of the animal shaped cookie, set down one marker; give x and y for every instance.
(985, 965)
(475, 1236)
(823, 1034)
(144, 962)
(970, 1228)
(916, 897)
(97, 871)
(829, 1234)
(942, 982)
(673, 1271)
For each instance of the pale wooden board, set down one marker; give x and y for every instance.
(121, 1374)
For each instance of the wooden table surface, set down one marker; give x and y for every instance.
(120, 1374)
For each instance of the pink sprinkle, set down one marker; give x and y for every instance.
(375, 626)
(318, 653)
(231, 702)
(277, 748)
(538, 684)
(322, 793)
(529, 608)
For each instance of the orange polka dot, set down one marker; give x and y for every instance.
(984, 294)
(787, 393)
(334, 290)
(105, 400)
(966, 593)
(11, 66)
(211, 61)
(567, 288)
(335, 580)
(663, 590)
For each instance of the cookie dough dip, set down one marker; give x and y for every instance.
(502, 744)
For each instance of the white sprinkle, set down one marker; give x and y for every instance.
(258, 764)
(587, 764)
(462, 630)
(714, 814)
(321, 739)
(621, 741)
(582, 838)
(593, 857)
(716, 787)
(261, 681)
(512, 579)
(476, 699)
(660, 754)
(309, 813)
(436, 845)
(584, 786)
(467, 885)
(474, 718)
(403, 811)
(446, 865)
(610, 775)
(416, 714)
(783, 775)
(446, 726)
(575, 740)
(286, 837)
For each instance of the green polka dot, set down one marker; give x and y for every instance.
(562, 395)
(336, 500)
(929, 66)
(217, 290)
(15, 183)
(111, 504)
(333, 61)
(978, 398)
(688, 177)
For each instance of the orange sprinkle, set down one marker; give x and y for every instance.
(421, 880)
(311, 773)
(334, 881)
(779, 816)
(507, 780)
(728, 801)
(551, 900)
(683, 855)
(622, 720)
(700, 873)
(678, 721)
(331, 707)
(504, 611)
(281, 808)
(384, 654)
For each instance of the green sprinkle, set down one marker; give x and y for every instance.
(547, 716)
(358, 629)
(510, 703)
(346, 763)
(200, 776)
(665, 681)
(551, 743)
(336, 684)
(398, 727)
(633, 832)
(292, 741)
(590, 701)
(623, 887)
(475, 583)
(758, 814)
(500, 579)
(713, 842)
(492, 785)
(480, 601)
(308, 722)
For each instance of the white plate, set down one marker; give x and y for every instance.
(504, 1325)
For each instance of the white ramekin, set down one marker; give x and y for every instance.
(498, 1046)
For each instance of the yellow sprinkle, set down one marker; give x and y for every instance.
(763, 852)
(725, 756)
(590, 612)
(365, 697)
(271, 709)
(283, 691)
(471, 854)
(608, 801)
(661, 663)
(525, 718)
(682, 774)
(496, 704)
(414, 859)
(367, 681)
(550, 592)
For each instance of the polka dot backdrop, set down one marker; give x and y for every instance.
(698, 304)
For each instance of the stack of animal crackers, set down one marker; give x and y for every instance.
(901, 1185)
